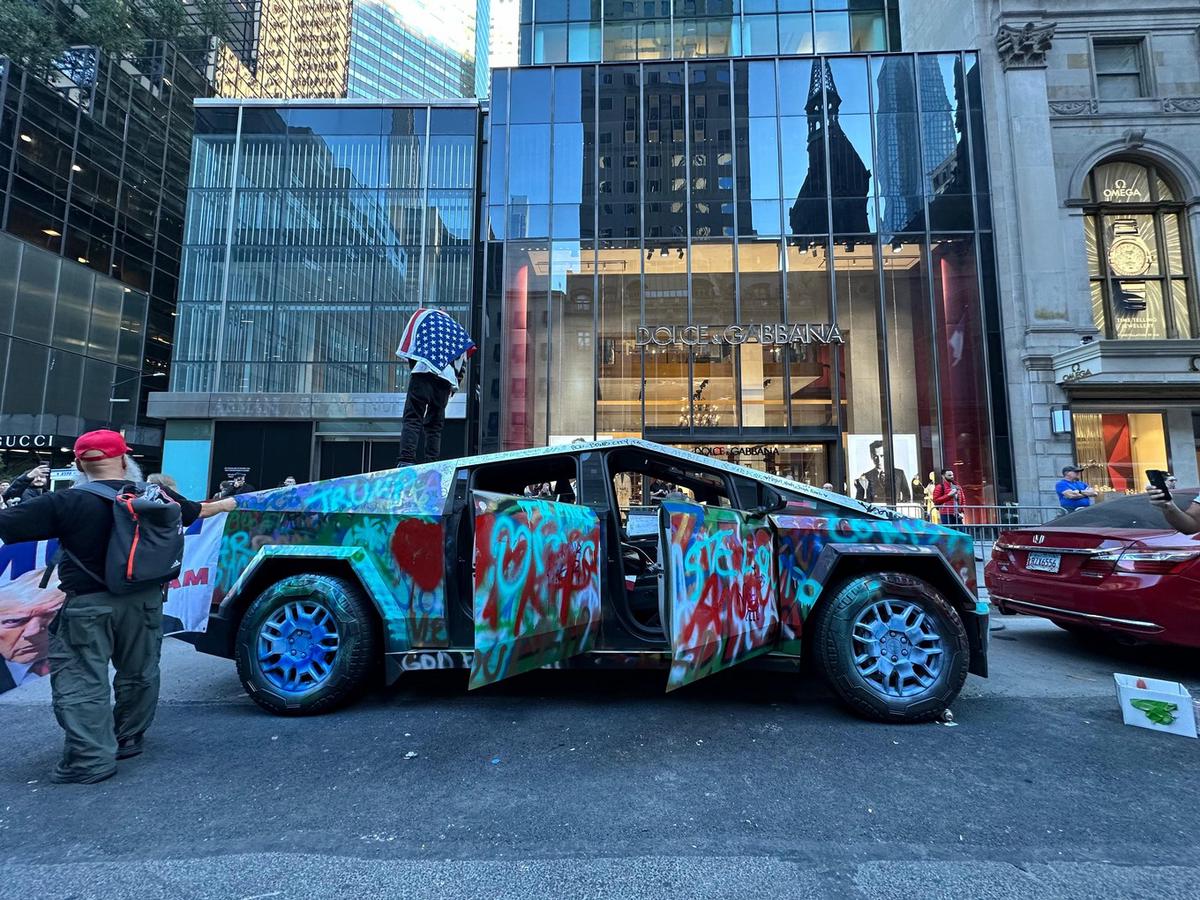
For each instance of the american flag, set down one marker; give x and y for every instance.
(434, 337)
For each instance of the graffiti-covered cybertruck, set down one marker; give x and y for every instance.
(610, 553)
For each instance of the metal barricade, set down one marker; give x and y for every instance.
(984, 523)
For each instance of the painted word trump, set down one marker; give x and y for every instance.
(694, 335)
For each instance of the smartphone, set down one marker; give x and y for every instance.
(1158, 478)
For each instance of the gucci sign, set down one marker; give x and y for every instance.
(26, 441)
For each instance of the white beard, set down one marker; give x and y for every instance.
(133, 472)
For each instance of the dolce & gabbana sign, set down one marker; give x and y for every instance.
(26, 441)
(769, 333)
(757, 450)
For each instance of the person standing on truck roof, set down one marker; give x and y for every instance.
(437, 348)
(94, 626)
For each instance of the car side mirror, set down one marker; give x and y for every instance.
(767, 508)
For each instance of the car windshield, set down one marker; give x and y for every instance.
(1124, 512)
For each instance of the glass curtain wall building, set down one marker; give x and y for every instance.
(92, 193)
(650, 228)
(313, 233)
(410, 49)
(555, 31)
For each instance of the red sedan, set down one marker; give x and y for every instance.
(1116, 567)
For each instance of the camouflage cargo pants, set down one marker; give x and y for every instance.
(91, 630)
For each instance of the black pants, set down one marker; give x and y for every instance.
(949, 518)
(424, 411)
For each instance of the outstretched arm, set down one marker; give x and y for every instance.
(1185, 521)
(212, 507)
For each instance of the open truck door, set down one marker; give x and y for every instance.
(537, 584)
(720, 585)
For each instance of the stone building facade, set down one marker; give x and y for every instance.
(1094, 148)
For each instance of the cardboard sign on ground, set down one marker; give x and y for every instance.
(1155, 704)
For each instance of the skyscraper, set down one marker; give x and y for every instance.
(503, 30)
(284, 48)
(411, 49)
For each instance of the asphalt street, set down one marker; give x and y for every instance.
(599, 785)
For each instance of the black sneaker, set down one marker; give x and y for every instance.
(59, 776)
(127, 747)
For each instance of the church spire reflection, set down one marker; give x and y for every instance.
(849, 177)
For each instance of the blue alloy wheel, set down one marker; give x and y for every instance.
(898, 649)
(297, 645)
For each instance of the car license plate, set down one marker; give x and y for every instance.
(1043, 562)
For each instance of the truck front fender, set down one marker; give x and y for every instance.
(836, 559)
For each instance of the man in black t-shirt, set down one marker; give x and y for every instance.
(94, 627)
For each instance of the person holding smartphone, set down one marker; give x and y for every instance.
(1185, 521)
(29, 486)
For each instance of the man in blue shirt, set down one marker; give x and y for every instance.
(1073, 492)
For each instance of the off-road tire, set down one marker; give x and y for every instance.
(834, 655)
(357, 656)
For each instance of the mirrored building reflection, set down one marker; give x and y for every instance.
(558, 31)
(314, 231)
(635, 212)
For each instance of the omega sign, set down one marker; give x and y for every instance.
(696, 335)
(1122, 191)
(26, 441)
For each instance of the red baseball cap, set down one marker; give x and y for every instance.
(102, 444)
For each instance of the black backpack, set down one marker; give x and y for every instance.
(146, 546)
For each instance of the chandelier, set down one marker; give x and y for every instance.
(699, 413)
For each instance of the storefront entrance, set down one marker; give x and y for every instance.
(368, 447)
(353, 456)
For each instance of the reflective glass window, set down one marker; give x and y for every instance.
(107, 298)
(525, 345)
(872, 476)
(665, 291)
(810, 366)
(63, 382)
(762, 366)
(761, 149)
(10, 256)
(868, 31)
(796, 34)
(37, 287)
(966, 422)
(25, 379)
(72, 310)
(832, 32)
(530, 99)
(912, 371)
(711, 150)
(653, 40)
(550, 43)
(760, 36)
(714, 389)
(529, 182)
(619, 374)
(583, 42)
(571, 346)
(943, 125)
